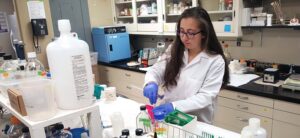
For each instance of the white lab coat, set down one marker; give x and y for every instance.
(197, 86)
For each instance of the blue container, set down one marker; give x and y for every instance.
(76, 132)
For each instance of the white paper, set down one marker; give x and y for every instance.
(241, 79)
(260, 81)
(36, 9)
(144, 69)
(3, 23)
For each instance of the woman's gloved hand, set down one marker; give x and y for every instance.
(150, 91)
(166, 108)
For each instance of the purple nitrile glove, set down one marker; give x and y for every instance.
(166, 108)
(150, 91)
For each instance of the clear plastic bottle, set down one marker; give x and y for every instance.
(154, 7)
(221, 5)
(33, 66)
(25, 133)
(160, 128)
(1, 58)
(70, 67)
(9, 68)
(143, 120)
(15, 128)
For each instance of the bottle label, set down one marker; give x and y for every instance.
(80, 76)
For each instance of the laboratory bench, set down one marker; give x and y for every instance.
(249, 88)
(277, 108)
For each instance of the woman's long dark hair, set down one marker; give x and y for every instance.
(210, 44)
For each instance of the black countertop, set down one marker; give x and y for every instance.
(249, 88)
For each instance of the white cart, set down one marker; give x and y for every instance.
(37, 128)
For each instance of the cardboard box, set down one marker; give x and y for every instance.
(96, 73)
(16, 101)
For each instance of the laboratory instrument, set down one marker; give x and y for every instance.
(111, 43)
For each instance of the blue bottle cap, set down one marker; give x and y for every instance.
(159, 115)
(48, 75)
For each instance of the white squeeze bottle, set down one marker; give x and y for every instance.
(253, 130)
(70, 67)
(258, 132)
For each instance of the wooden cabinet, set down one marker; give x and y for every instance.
(226, 19)
(285, 130)
(286, 120)
(124, 14)
(162, 20)
(127, 83)
(280, 119)
(234, 110)
(235, 120)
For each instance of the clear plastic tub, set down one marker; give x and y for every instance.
(38, 97)
(6, 84)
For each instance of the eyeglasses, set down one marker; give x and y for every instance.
(189, 35)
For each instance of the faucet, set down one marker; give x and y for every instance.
(291, 69)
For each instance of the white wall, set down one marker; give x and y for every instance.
(277, 45)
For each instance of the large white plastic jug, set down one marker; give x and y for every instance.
(70, 67)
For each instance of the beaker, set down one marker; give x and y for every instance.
(38, 98)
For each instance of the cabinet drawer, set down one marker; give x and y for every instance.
(134, 78)
(109, 74)
(246, 107)
(247, 98)
(285, 130)
(227, 126)
(238, 119)
(287, 106)
(287, 117)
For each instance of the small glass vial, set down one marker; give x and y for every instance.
(160, 128)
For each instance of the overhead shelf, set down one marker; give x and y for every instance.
(142, 0)
(124, 2)
(125, 17)
(146, 16)
(173, 14)
(295, 27)
(219, 12)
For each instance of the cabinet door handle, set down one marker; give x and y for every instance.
(128, 87)
(110, 47)
(128, 75)
(242, 119)
(243, 108)
(243, 98)
(106, 70)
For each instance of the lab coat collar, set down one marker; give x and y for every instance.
(201, 55)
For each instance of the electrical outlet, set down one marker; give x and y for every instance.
(237, 43)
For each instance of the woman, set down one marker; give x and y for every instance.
(192, 70)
